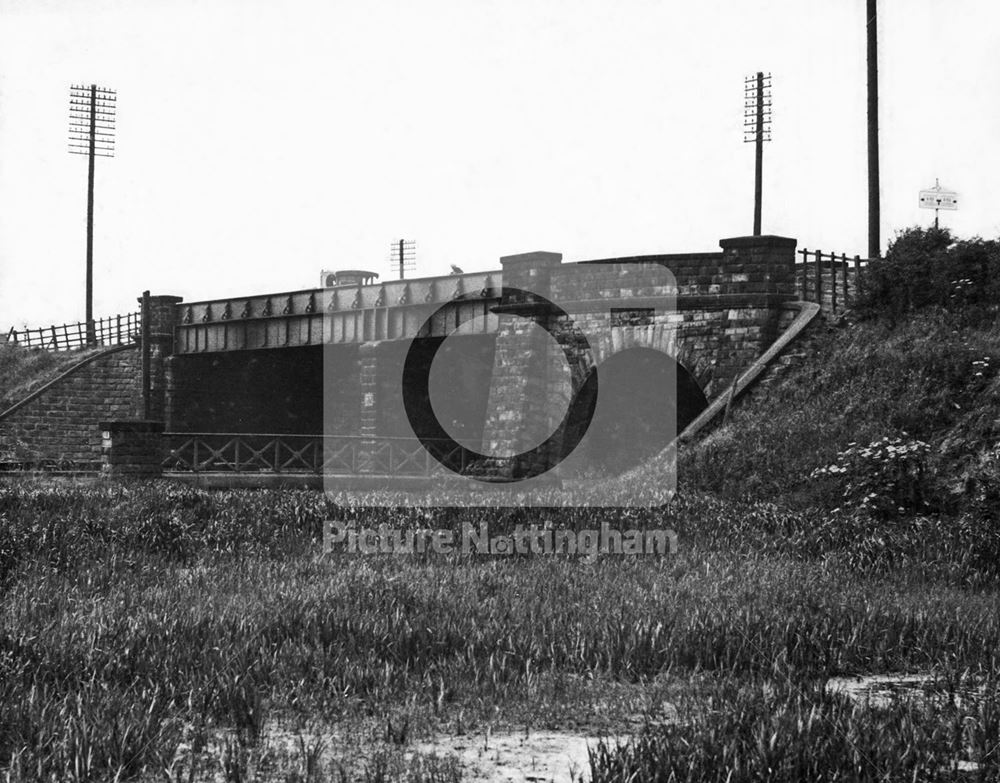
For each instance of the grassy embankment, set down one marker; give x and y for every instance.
(23, 370)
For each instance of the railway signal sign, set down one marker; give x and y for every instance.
(938, 198)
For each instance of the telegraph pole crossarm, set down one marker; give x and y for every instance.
(757, 128)
(91, 133)
(403, 253)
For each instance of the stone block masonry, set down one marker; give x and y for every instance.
(726, 314)
(61, 421)
(162, 322)
(131, 449)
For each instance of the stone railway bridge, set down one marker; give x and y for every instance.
(311, 381)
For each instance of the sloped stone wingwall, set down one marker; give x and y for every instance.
(62, 422)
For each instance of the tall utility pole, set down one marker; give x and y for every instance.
(404, 253)
(757, 128)
(874, 242)
(91, 133)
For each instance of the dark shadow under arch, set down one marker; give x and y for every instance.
(645, 399)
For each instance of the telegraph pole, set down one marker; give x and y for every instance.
(757, 128)
(404, 253)
(874, 241)
(91, 133)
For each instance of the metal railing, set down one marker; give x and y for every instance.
(829, 279)
(112, 330)
(336, 455)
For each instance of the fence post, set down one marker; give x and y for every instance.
(819, 278)
(833, 283)
(147, 402)
(843, 261)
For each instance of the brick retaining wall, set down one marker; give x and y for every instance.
(62, 422)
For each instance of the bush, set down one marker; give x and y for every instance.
(929, 268)
(885, 478)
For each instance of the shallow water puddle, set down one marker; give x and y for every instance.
(539, 757)
(879, 690)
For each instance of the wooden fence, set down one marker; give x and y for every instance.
(829, 279)
(113, 330)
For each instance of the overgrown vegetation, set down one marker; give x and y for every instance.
(929, 268)
(142, 623)
(871, 396)
(747, 730)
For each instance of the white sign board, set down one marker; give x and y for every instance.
(938, 199)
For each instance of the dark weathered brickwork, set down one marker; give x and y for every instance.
(131, 449)
(62, 423)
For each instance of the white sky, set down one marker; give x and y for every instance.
(260, 142)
